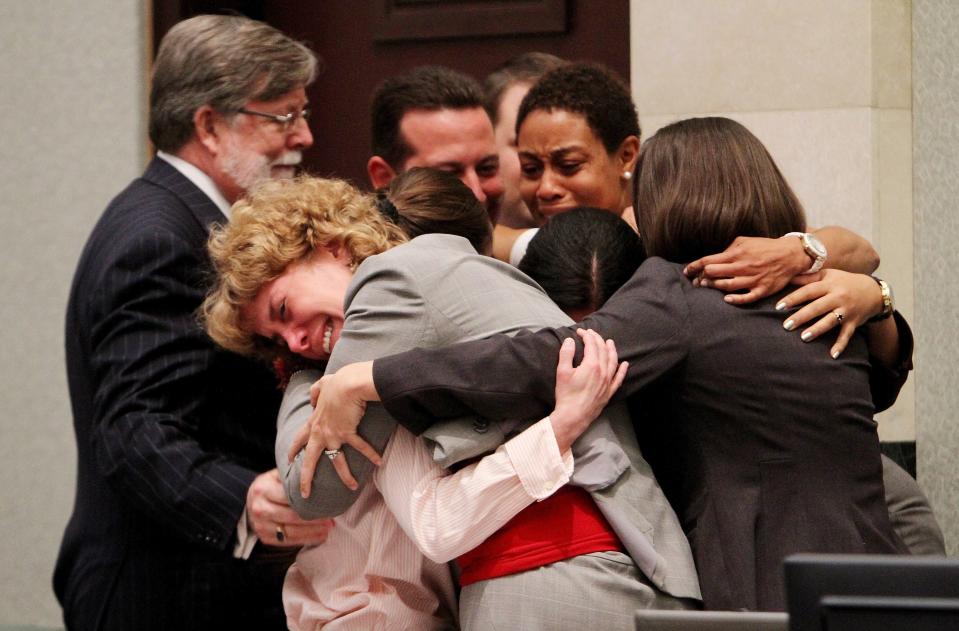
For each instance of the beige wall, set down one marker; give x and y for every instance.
(825, 84)
(72, 108)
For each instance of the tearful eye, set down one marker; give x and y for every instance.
(531, 170)
(569, 167)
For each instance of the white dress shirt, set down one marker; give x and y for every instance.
(202, 181)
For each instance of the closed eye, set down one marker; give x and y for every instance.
(568, 167)
(452, 168)
(531, 169)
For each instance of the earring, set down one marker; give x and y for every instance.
(627, 175)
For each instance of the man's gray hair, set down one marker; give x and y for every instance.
(223, 61)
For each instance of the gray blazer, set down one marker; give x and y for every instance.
(435, 291)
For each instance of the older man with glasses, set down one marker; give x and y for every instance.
(180, 520)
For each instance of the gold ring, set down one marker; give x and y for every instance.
(280, 533)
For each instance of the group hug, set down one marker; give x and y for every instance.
(539, 374)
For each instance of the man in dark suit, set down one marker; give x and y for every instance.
(180, 521)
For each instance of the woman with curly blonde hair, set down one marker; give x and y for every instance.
(319, 269)
(284, 222)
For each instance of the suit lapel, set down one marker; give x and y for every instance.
(161, 173)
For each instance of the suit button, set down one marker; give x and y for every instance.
(480, 426)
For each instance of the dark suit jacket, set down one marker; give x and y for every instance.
(764, 445)
(170, 431)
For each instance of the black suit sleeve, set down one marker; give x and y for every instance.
(515, 377)
(151, 361)
(503, 377)
(885, 382)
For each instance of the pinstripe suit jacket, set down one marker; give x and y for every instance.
(170, 431)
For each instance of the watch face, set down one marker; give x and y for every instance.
(814, 244)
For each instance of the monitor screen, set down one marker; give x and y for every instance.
(844, 592)
(685, 620)
(889, 613)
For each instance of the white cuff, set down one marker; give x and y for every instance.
(245, 539)
(518, 251)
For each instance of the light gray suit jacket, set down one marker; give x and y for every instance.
(435, 291)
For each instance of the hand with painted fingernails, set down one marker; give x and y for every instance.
(829, 299)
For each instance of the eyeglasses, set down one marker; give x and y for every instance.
(285, 121)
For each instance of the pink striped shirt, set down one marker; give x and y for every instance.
(384, 563)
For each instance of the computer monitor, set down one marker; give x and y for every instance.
(832, 592)
(679, 620)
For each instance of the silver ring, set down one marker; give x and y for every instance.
(331, 453)
(280, 533)
(839, 317)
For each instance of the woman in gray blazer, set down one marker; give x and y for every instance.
(288, 253)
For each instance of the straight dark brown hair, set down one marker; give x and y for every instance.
(433, 201)
(701, 182)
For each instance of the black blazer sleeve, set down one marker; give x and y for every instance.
(885, 382)
(152, 362)
(504, 377)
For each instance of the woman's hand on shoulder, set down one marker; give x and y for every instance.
(755, 265)
(339, 402)
(836, 298)
(583, 391)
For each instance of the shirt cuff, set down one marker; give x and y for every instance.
(245, 539)
(535, 457)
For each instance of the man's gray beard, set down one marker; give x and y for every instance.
(246, 169)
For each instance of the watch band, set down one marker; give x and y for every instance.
(813, 248)
(888, 306)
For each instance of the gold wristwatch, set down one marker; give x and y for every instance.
(888, 306)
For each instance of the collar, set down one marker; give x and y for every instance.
(202, 181)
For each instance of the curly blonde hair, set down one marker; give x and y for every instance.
(278, 223)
